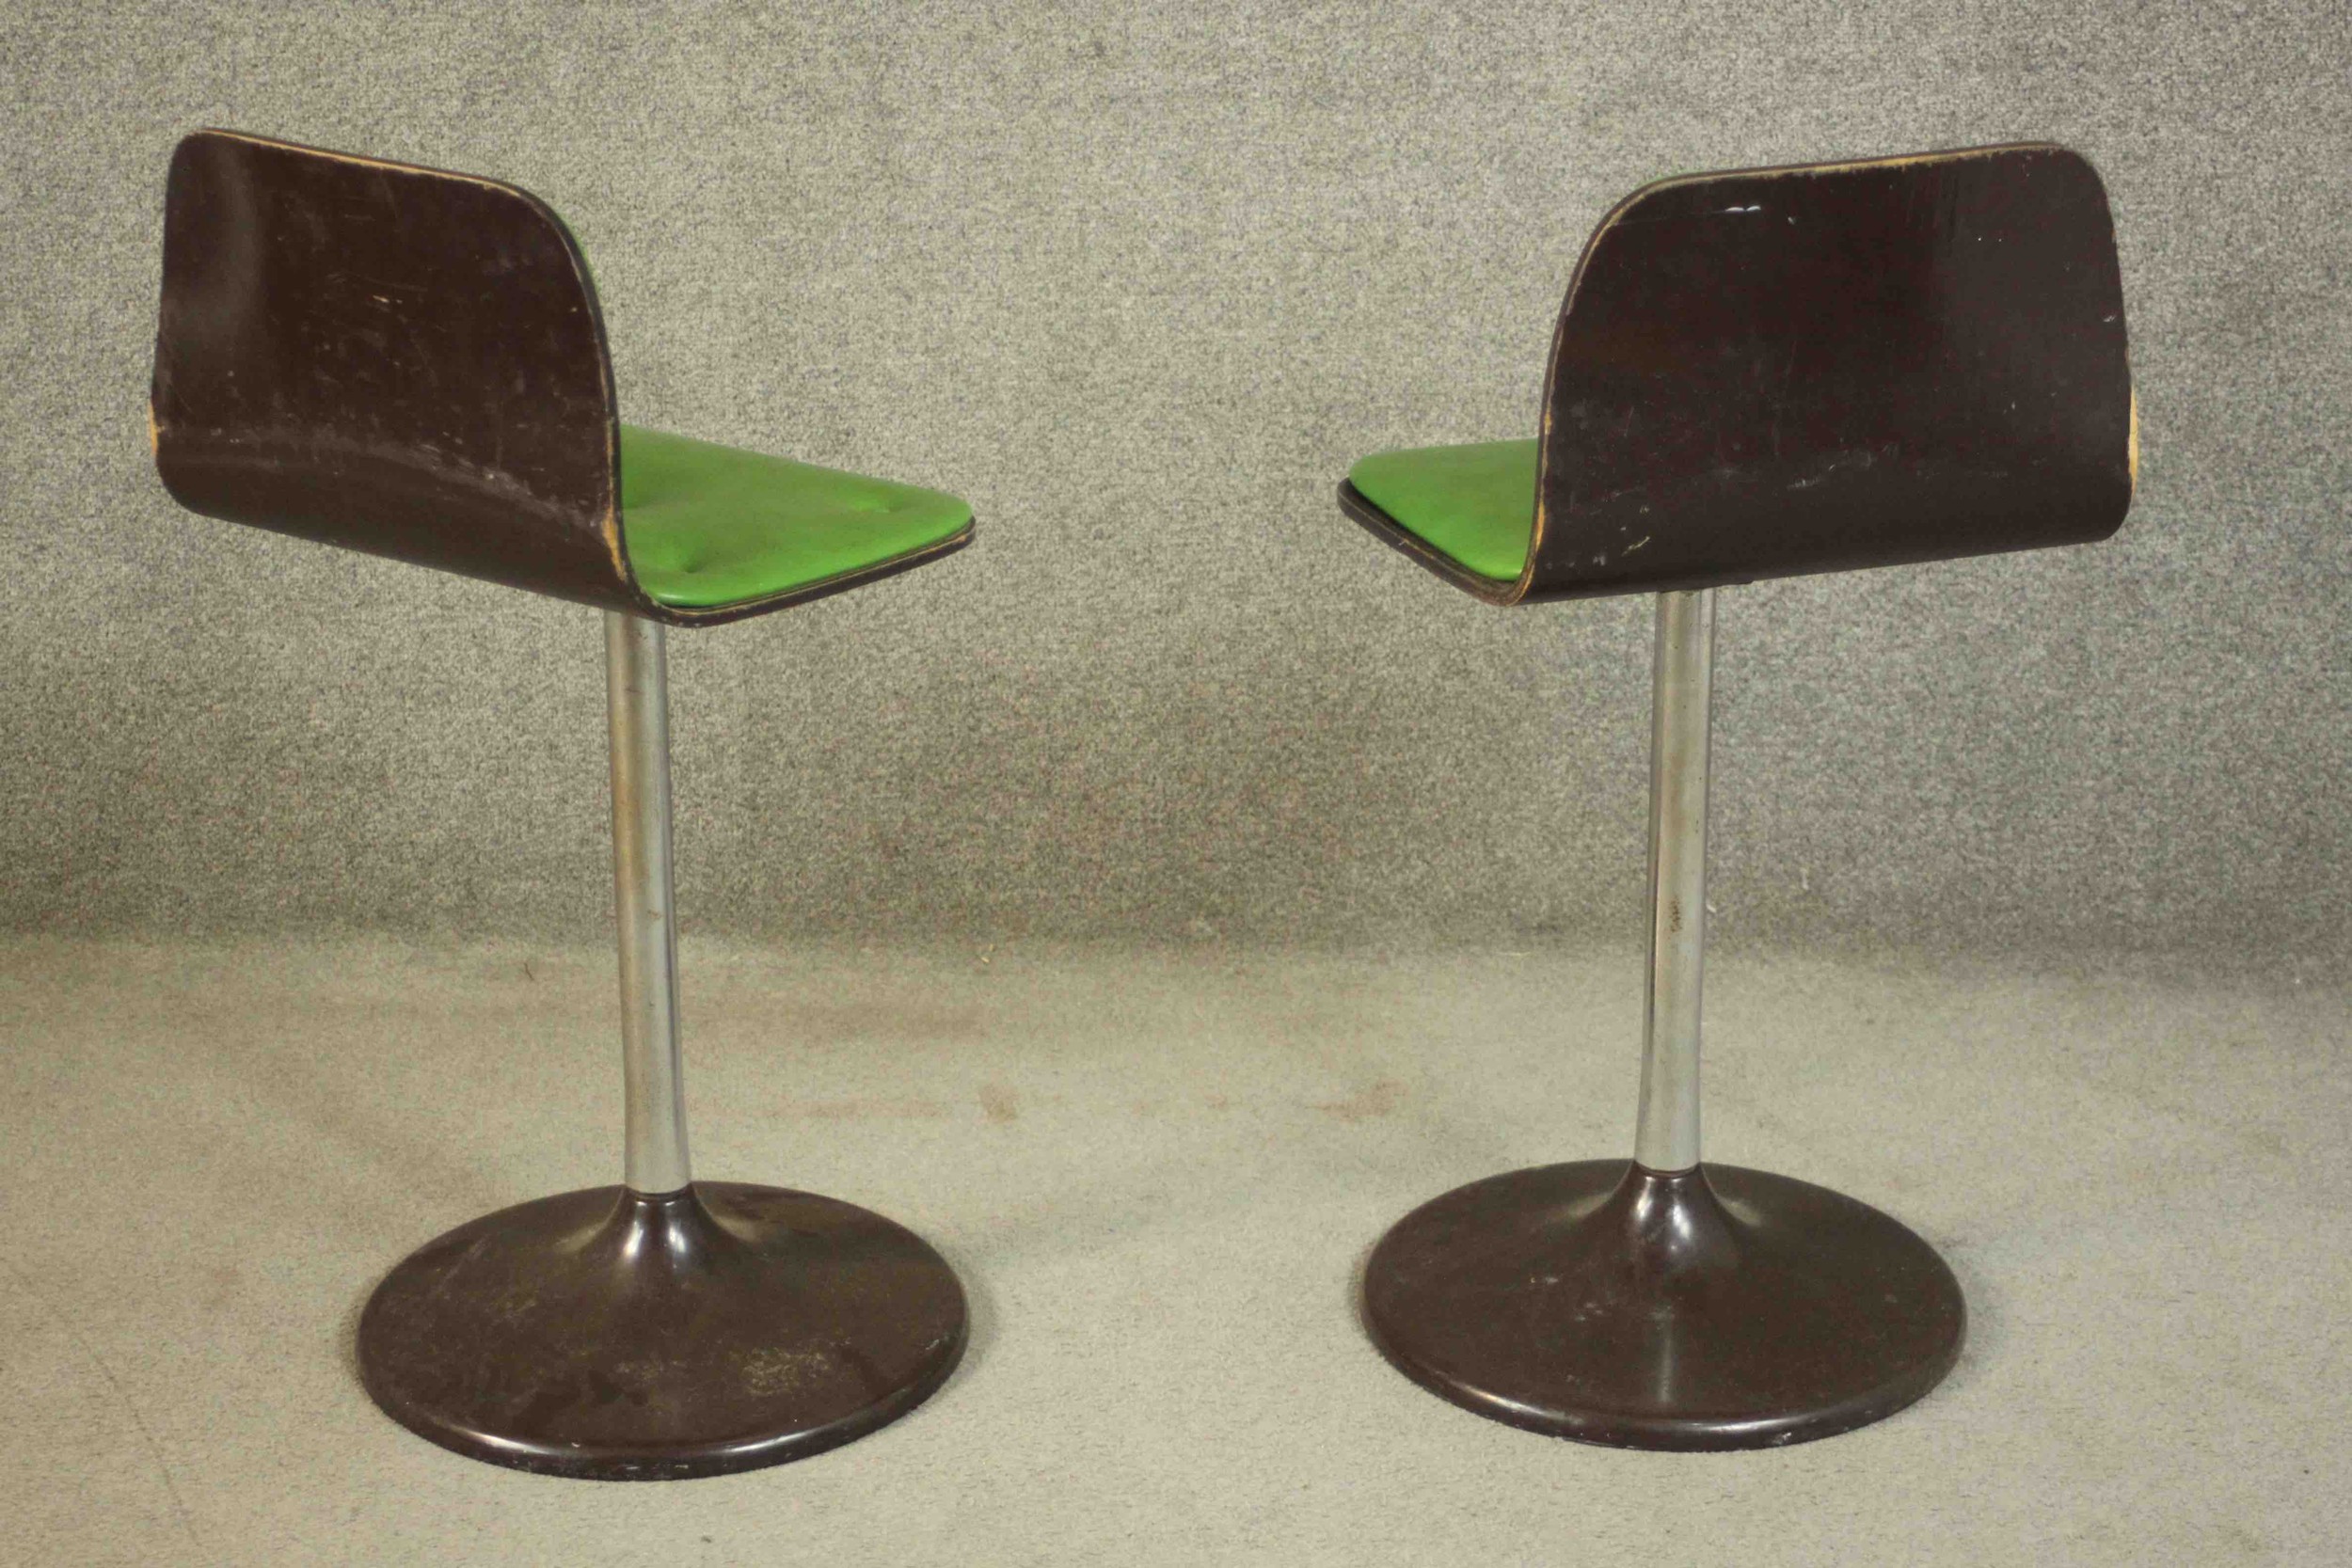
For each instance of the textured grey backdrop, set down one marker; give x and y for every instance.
(1140, 281)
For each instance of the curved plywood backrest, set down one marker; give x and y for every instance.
(1837, 365)
(1777, 371)
(389, 358)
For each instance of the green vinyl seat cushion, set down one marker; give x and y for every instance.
(707, 526)
(1473, 504)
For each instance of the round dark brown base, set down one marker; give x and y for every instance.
(1714, 1308)
(616, 1336)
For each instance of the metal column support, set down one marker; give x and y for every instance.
(637, 681)
(1667, 1136)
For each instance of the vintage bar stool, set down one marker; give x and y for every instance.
(411, 363)
(1755, 375)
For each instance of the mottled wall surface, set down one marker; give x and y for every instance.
(1140, 281)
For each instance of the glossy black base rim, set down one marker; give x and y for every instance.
(611, 1336)
(1710, 1309)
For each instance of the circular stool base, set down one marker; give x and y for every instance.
(618, 1337)
(1712, 1309)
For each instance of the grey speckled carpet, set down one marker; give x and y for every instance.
(1158, 1176)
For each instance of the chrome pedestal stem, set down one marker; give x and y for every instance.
(637, 684)
(1667, 1135)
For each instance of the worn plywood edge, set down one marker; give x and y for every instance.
(361, 160)
(1843, 165)
(2131, 455)
(615, 545)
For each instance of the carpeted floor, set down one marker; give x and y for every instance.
(1158, 1173)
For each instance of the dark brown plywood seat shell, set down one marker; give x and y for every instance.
(391, 359)
(404, 361)
(1776, 372)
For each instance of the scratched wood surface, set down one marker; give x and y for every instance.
(400, 360)
(1776, 372)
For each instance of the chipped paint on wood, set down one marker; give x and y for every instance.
(1924, 360)
(479, 437)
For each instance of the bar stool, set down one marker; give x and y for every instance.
(1755, 375)
(411, 362)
